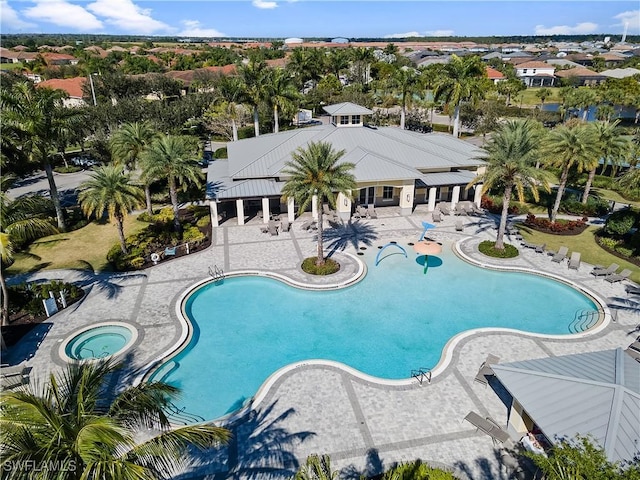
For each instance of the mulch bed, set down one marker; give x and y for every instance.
(574, 231)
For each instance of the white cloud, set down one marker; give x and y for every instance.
(9, 20)
(127, 16)
(631, 18)
(264, 4)
(428, 33)
(579, 29)
(192, 28)
(64, 14)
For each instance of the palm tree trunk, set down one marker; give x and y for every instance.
(276, 126)
(402, 115)
(456, 121)
(587, 186)
(147, 196)
(563, 183)
(53, 189)
(256, 121)
(506, 198)
(320, 252)
(584, 113)
(5, 299)
(120, 227)
(234, 129)
(173, 195)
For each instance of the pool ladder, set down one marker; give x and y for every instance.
(179, 416)
(216, 273)
(583, 319)
(421, 375)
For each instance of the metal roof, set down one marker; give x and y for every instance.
(347, 108)
(596, 394)
(445, 178)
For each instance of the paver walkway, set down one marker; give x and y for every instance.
(364, 426)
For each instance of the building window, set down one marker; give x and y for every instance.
(344, 119)
(387, 193)
(334, 120)
(534, 70)
(355, 119)
(524, 70)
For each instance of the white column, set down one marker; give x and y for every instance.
(343, 206)
(432, 198)
(240, 210)
(314, 207)
(265, 210)
(406, 199)
(477, 196)
(213, 208)
(455, 197)
(291, 209)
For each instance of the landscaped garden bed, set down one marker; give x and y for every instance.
(559, 227)
(620, 235)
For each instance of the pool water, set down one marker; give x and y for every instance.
(394, 321)
(99, 342)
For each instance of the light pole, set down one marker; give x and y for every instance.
(93, 92)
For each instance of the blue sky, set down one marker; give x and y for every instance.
(319, 18)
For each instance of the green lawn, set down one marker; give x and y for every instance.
(529, 97)
(11, 66)
(590, 251)
(85, 248)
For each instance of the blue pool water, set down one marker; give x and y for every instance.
(396, 320)
(99, 342)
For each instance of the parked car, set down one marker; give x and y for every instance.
(84, 161)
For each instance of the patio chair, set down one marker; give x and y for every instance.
(361, 212)
(603, 272)
(560, 255)
(306, 225)
(574, 261)
(540, 248)
(529, 245)
(618, 277)
(445, 208)
(327, 210)
(476, 210)
(436, 216)
(485, 369)
(285, 225)
(634, 350)
(371, 212)
(459, 226)
(460, 209)
(170, 251)
(12, 377)
(488, 426)
(273, 228)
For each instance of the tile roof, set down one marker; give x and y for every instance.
(73, 86)
(578, 72)
(492, 73)
(534, 64)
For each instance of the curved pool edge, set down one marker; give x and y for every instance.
(112, 323)
(447, 351)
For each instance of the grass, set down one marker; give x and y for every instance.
(530, 99)
(11, 66)
(585, 243)
(613, 195)
(85, 248)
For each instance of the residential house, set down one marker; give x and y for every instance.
(536, 74)
(52, 59)
(580, 76)
(494, 75)
(621, 72)
(393, 167)
(71, 86)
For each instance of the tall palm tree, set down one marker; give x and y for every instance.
(171, 157)
(543, 94)
(230, 89)
(569, 146)
(337, 61)
(39, 116)
(315, 171)
(21, 220)
(460, 81)
(317, 468)
(69, 423)
(110, 190)
(612, 147)
(254, 77)
(511, 155)
(407, 82)
(583, 98)
(127, 145)
(280, 93)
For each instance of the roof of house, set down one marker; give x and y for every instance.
(578, 72)
(52, 57)
(73, 86)
(347, 108)
(620, 72)
(187, 76)
(493, 74)
(534, 64)
(595, 393)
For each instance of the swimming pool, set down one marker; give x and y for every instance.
(394, 321)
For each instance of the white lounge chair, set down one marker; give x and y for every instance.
(485, 369)
(371, 212)
(560, 255)
(618, 277)
(574, 261)
(488, 426)
(459, 226)
(436, 216)
(603, 272)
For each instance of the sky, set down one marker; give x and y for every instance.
(320, 18)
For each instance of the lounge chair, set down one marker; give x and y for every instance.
(634, 350)
(371, 212)
(560, 255)
(445, 208)
(574, 261)
(273, 228)
(530, 245)
(328, 211)
(436, 216)
(12, 377)
(488, 426)
(460, 209)
(285, 225)
(306, 225)
(632, 289)
(361, 212)
(485, 369)
(617, 277)
(476, 210)
(540, 248)
(459, 226)
(603, 272)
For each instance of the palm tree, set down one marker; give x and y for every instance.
(511, 155)
(110, 190)
(171, 157)
(567, 146)
(611, 145)
(510, 88)
(230, 90)
(280, 93)
(253, 76)
(543, 94)
(39, 117)
(337, 61)
(315, 171)
(21, 220)
(407, 83)
(460, 81)
(127, 145)
(583, 98)
(69, 423)
(317, 468)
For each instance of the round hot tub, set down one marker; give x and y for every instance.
(99, 341)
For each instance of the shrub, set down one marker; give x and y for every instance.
(495, 205)
(69, 169)
(165, 215)
(620, 222)
(573, 227)
(137, 262)
(203, 221)
(220, 153)
(330, 266)
(192, 234)
(593, 207)
(624, 251)
(27, 297)
(608, 242)
(488, 248)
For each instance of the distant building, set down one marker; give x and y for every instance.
(536, 74)
(293, 41)
(581, 76)
(71, 86)
(494, 75)
(340, 40)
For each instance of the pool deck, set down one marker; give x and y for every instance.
(363, 425)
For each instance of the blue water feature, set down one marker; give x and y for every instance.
(395, 320)
(98, 342)
(620, 112)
